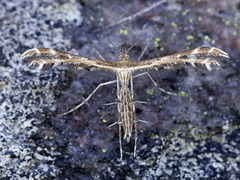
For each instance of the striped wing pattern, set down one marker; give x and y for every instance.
(206, 56)
(200, 56)
(52, 57)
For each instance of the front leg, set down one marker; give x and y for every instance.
(86, 100)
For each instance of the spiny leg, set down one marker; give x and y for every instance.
(119, 120)
(155, 84)
(109, 104)
(113, 124)
(140, 102)
(134, 111)
(113, 103)
(120, 139)
(146, 122)
(136, 132)
(134, 116)
(78, 106)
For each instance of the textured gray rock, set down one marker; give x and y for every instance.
(192, 136)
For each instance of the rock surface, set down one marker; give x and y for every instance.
(195, 135)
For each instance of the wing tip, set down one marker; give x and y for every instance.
(219, 52)
(29, 53)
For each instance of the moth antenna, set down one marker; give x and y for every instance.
(97, 52)
(110, 40)
(137, 39)
(144, 50)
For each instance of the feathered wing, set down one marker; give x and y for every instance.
(46, 56)
(203, 56)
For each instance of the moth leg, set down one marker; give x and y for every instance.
(135, 129)
(86, 100)
(113, 103)
(140, 102)
(141, 74)
(155, 84)
(120, 140)
(161, 89)
(146, 122)
(135, 120)
(109, 104)
(113, 124)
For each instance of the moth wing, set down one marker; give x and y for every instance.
(52, 57)
(202, 56)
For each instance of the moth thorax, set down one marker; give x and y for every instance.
(124, 57)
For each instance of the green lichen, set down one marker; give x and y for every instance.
(227, 22)
(150, 91)
(104, 150)
(123, 31)
(185, 12)
(208, 10)
(156, 42)
(174, 24)
(166, 98)
(183, 93)
(191, 138)
(191, 20)
(190, 37)
(206, 37)
(154, 136)
(235, 33)
(103, 119)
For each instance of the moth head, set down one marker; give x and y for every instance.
(124, 57)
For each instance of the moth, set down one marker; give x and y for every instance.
(124, 68)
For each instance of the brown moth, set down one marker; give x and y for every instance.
(124, 68)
